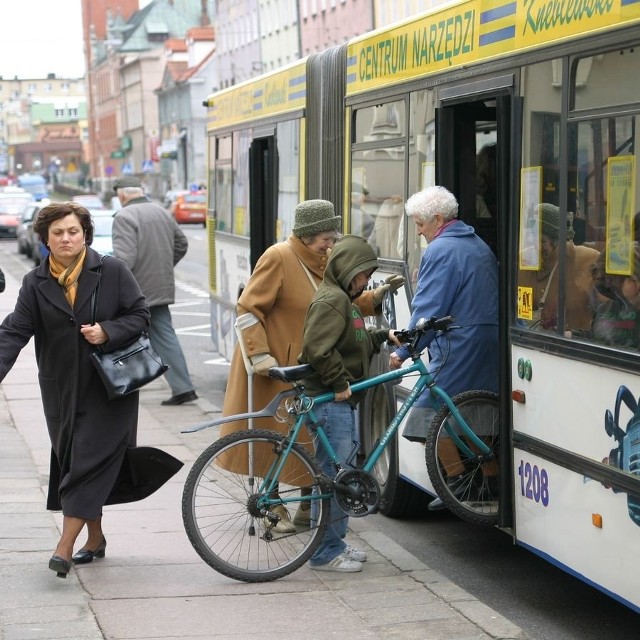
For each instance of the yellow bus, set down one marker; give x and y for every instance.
(523, 110)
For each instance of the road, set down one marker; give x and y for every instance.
(544, 601)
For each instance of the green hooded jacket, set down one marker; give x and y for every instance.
(335, 340)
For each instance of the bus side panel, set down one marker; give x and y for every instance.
(232, 273)
(570, 519)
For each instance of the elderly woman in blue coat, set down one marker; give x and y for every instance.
(458, 276)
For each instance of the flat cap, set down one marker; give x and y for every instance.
(127, 181)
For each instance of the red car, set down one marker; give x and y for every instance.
(12, 205)
(191, 208)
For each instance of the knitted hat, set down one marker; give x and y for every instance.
(315, 216)
(550, 215)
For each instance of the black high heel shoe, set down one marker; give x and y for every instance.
(60, 566)
(85, 556)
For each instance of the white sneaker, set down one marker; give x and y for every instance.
(284, 525)
(340, 564)
(355, 554)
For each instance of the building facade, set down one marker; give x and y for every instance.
(43, 123)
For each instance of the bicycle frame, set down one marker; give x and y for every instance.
(307, 417)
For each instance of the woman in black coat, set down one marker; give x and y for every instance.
(89, 433)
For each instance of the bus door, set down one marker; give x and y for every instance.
(263, 178)
(473, 154)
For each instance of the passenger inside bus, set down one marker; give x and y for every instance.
(544, 281)
(361, 221)
(486, 197)
(616, 320)
(386, 231)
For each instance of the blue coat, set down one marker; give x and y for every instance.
(458, 276)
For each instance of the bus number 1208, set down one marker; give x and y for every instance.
(534, 482)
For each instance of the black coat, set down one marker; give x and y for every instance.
(89, 433)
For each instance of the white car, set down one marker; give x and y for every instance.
(102, 223)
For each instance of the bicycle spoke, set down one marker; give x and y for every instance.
(227, 520)
(464, 477)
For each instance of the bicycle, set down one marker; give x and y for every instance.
(235, 484)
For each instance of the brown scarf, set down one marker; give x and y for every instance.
(68, 277)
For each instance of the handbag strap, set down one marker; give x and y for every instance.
(96, 292)
(304, 266)
(546, 289)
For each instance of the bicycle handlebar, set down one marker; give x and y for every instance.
(423, 326)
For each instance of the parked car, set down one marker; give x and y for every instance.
(103, 224)
(13, 202)
(89, 201)
(25, 228)
(191, 208)
(170, 197)
(35, 184)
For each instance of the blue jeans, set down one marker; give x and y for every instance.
(165, 341)
(339, 423)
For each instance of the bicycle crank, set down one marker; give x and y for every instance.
(357, 492)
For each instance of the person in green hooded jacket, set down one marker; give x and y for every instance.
(339, 346)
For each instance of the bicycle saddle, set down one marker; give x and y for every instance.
(290, 374)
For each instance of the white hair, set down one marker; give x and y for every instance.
(131, 192)
(427, 203)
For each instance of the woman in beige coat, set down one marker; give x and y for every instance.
(272, 308)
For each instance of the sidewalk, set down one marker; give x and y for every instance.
(152, 584)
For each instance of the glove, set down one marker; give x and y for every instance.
(391, 284)
(262, 362)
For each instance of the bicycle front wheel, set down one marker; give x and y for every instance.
(221, 507)
(466, 481)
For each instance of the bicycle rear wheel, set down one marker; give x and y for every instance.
(221, 511)
(467, 484)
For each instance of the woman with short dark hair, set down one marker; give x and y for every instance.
(90, 434)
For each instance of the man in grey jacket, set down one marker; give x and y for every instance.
(149, 240)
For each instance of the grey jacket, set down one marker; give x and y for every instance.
(150, 241)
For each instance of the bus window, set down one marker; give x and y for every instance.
(288, 140)
(422, 167)
(606, 182)
(382, 122)
(223, 197)
(220, 181)
(377, 205)
(603, 80)
(538, 281)
(604, 187)
(381, 214)
(240, 163)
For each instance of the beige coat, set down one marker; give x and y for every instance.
(578, 312)
(278, 294)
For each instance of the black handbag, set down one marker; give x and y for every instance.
(126, 369)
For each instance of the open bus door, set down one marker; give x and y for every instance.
(263, 178)
(471, 125)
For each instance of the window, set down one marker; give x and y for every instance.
(288, 139)
(579, 265)
(221, 187)
(377, 177)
